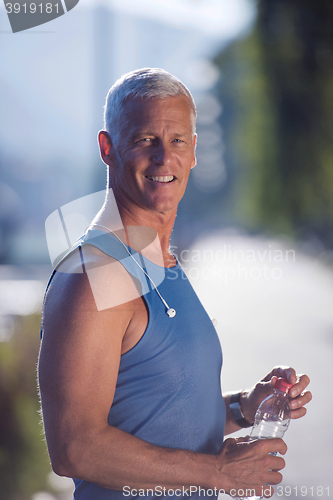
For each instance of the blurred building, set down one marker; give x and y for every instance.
(55, 79)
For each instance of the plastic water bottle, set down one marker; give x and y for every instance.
(272, 417)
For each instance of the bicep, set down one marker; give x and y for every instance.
(79, 358)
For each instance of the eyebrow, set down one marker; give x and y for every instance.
(139, 132)
(181, 135)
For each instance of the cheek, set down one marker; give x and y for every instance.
(136, 162)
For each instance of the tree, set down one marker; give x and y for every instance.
(278, 88)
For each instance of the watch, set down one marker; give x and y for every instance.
(236, 411)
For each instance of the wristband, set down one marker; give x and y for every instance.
(236, 411)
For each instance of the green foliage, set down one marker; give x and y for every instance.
(24, 461)
(278, 85)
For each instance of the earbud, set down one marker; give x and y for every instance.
(171, 312)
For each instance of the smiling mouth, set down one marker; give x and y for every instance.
(160, 178)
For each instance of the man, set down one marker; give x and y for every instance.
(130, 389)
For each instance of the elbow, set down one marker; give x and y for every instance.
(60, 467)
(66, 461)
(61, 464)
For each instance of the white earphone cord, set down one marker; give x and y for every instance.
(169, 310)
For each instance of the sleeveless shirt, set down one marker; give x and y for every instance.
(168, 390)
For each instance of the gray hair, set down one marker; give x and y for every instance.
(143, 83)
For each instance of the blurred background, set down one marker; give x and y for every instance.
(254, 230)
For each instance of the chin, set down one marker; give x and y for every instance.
(162, 206)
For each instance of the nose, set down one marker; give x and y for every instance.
(161, 155)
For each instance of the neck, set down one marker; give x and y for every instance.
(154, 235)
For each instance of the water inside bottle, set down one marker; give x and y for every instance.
(269, 429)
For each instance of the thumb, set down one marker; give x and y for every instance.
(266, 386)
(242, 439)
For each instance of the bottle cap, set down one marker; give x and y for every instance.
(283, 385)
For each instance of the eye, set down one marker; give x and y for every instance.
(145, 139)
(177, 140)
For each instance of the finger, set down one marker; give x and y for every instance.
(276, 463)
(285, 372)
(297, 405)
(241, 439)
(274, 445)
(231, 442)
(301, 400)
(301, 383)
(299, 413)
(273, 477)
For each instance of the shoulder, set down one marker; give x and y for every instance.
(88, 287)
(89, 277)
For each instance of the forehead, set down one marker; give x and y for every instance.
(173, 111)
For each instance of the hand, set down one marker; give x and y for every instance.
(248, 465)
(250, 400)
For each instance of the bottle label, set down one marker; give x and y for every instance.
(269, 429)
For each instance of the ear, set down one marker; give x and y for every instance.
(105, 146)
(194, 162)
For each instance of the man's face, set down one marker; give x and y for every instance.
(153, 157)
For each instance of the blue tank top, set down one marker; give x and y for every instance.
(168, 390)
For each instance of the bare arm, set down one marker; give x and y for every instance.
(78, 369)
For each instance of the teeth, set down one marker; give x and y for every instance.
(164, 178)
